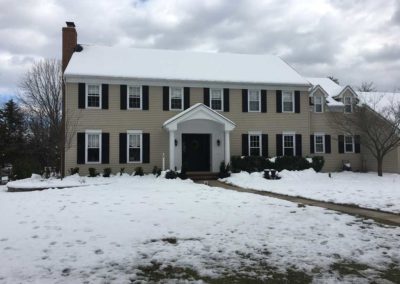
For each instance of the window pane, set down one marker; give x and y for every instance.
(93, 140)
(134, 154)
(254, 106)
(288, 152)
(176, 98)
(254, 100)
(134, 97)
(93, 89)
(216, 99)
(134, 140)
(255, 152)
(288, 145)
(93, 155)
(287, 106)
(93, 101)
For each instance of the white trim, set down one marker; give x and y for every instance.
(87, 94)
(315, 142)
(141, 97)
(259, 100)
(322, 104)
(91, 132)
(353, 143)
(255, 133)
(293, 102)
(289, 133)
(182, 98)
(351, 104)
(222, 99)
(134, 132)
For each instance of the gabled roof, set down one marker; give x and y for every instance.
(347, 88)
(157, 64)
(198, 111)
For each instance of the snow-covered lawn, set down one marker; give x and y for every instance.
(151, 228)
(362, 189)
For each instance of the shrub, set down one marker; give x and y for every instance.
(107, 172)
(317, 163)
(170, 174)
(250, 164)
(290, 163)
(182, 174)
(92, 172)
(156, 171)
(121, 171)
(73, 171)
(224, 170)
(24, 167)
(139, 171)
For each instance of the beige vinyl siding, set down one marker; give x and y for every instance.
(390, 161)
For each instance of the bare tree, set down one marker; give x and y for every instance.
(40, 95)
(367, 87)
(336, 80)
(377, 120)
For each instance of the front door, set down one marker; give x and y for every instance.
(196, 152)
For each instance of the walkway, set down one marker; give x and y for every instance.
(379, 216)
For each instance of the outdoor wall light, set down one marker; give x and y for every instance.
(176, 142)
(218, 142)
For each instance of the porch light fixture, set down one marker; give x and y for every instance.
(176, 142)
(218, 142)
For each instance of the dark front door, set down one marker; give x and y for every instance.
(196, 152)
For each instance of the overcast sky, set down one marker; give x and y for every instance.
(353, 40)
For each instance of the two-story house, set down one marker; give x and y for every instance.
(127, 107)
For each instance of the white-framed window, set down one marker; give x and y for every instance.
(348, 144)
(176, 98)
(134, 97)
(93, 147)
(135, 146)
(289, 144)
(93, 96)
(216, 99)
(287, 101)
(254, 100)
(348, 104)
(318, 104)
(319, 143)
(255, 144)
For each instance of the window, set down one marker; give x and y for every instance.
(176, 99)
(318, 104)
(254, 100)
(93, 146)
(134, 147)
(216, 99)
(319, 143)
(93, 96)
(348, 104)
(287, 101)
(255, 144)
(134, 97)
(288, 144)
(348, 144)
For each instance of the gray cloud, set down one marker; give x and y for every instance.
(353, 40)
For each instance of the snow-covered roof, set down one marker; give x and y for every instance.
(380, 101)
(330, 87)
(160, 64)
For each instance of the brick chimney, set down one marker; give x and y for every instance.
(69, 42)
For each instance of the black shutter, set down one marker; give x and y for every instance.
(165, 98)
(310, 101)
(122, 148)
(357, 147)
(81, 95)
(145, 98)
(312, 144)
(105, 148)
(341, 144)
(327, 144)
(278, 101)
(244, 101)
(186, 97)
(226, 100)
(81, 148)
(104, 96)
(297, 101)
(264, 138)
(245, 144)
(206, 96)
(263, 100)
(279, 145)
(299, 151)
(146, 148)
(123, 96)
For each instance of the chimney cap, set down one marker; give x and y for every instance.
(70, 24)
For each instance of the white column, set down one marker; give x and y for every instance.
(227, 148)
(172, 150)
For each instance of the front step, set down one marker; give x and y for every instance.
(202, 176)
